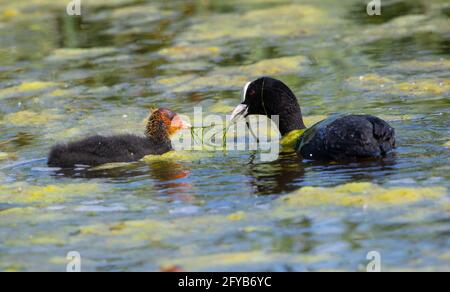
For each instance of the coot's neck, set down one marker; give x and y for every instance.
(290, 122)
(278, 99)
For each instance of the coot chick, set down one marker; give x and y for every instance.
(97, 150)
(339, 138)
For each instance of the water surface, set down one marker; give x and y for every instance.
(65, 77)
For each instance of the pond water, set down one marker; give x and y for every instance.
(64, 77)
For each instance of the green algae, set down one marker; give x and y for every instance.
(299, 20)
(421, 65)
(227, 78)
(50, 194)
(221, 108)
(424, 87)
(289, 142)
(189, 52)
(400, 27)
(393, 86)
(6, 156)
(178, 156)
(29, 118)
(76, 54)
(361, 195)
(28, 88)
(222, 260)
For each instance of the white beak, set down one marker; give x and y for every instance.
(239, 112)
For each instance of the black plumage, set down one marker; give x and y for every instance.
(337, 138)
(347, 138)
(99, 150)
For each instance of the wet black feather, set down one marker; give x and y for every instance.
(347, 138)
(99, 150)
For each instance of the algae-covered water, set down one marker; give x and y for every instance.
(65, 77)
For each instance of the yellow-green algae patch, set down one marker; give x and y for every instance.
(370, 81)
(27, 88)
(177, 156)
(221, 108)
(360, 195)
(14, 268)
(277, 66)
(221, 260)
(109, 166)
(25, 6)
(447, 144)
(391, 84)
(417, 65)
(236, 216)
(6, 156)
(400, 27)
(78, 54)
(33, 216)
(235, 77)
(24, 193)
(134, 11)
(9, 13)
(189, 52)
(175, 80)
(167, 230)
(27, 118)
(287, 20)
(394, 118)
(424, 86)
(211, 82)
(137, 230)
(289, 141)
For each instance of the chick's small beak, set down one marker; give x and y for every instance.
(239, 112)
(179, 124)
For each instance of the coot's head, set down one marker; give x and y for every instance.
(270, 97)
(164, 122)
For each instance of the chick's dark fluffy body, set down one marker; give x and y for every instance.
(99, 150)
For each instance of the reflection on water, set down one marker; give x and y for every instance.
(63, 78)
(279, 177)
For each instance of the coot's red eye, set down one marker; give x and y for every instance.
(252, 93)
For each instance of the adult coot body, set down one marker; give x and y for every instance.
(344, 137)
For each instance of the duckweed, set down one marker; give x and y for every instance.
(220, 261)
(28, 118)
(76, 54)
(233, 77)
(5, 156)
(189, 52)
(27, 89)
(298, 19)
(50, 194)
(420, 87)
(361, 195)
(289, 142)
(236, 216)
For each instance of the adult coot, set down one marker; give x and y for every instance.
(344, 137)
